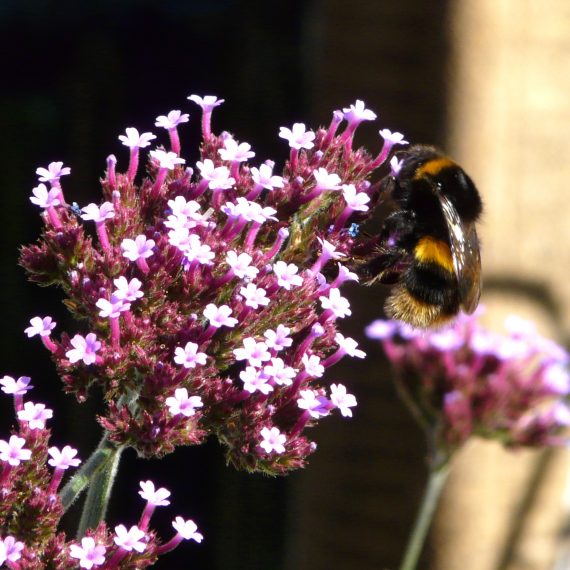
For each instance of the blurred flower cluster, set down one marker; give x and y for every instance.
(208, 296)
(30, 508)
(465, 380)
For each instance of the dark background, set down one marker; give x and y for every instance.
(74, 76)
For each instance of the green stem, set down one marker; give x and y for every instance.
(83, 477)
(436, 482)
(99, 493)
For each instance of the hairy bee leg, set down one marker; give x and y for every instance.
(386, 266)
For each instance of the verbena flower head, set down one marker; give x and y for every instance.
(465, 381)
(31, 508)
(208, 297)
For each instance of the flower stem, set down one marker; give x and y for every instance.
(98, 472)
(99, 493)
(436, 482)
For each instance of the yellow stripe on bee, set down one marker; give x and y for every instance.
(433, 167)
(432, 250)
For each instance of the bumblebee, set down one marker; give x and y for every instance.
(428, 248)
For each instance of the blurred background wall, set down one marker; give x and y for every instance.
(485, 79)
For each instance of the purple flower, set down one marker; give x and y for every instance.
(63, 459)
(84, 348)
(241, 265)
(313, 366)
(134, 141)
(381, 329)
(127, 290)
(184, 209)
(342, 400)
(446, 339)
(314, 403)
(208, 102)
(339, 306)
(89, 554)
(255, 380)
(326, 180)
(355, 200)
(279, 372)
(286, 274)
(503, 387)
(358, 112)
(13, 451)
(254, 296)
(272, 440)
(156, 497)
(139, 248)
(235, 152)
(183, 404)
(16, 387)
(53, 172)
(40, 326)
(172, 120)
(187, 529)
(10, 550)
(344, 274)
(254, 352)
(239, 307)
(44, 198)
(265, 178)
(279, 338)
(349, 346)
(298, 137)
(132, 539)
(165, 159)
(35, 415)
(189, 356)
(218, 177)
(194, 250)
(98, 213)
(220, 316)
(557, 379)
(113, 308)
(392, 138)
(395, 165)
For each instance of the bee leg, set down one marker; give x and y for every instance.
(386, 266)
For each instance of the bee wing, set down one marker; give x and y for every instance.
(465, 253)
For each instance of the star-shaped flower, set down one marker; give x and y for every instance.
(89, 554)
(182, 403)
(166, 159)
(53, 172)
(45, 198)
(208, 102)
(40, 326)
(298, 137)
(156, 497)
(135, 140)
(189, 357)
(35, 414)
(64, 458)
(235, 152)
(172, 120)
(272, 440)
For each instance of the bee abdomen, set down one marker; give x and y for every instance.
(433, 284)
(427, 294)
(432, 251)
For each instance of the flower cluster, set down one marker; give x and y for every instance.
(31, 509)
(465, 380)
(210, 295)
